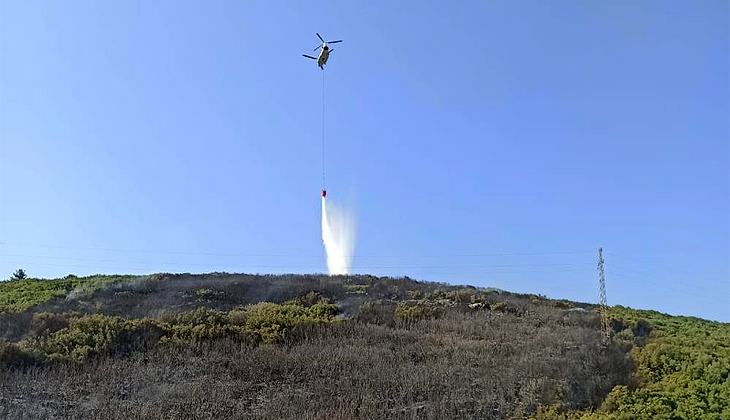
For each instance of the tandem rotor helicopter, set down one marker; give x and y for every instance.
(324, 52)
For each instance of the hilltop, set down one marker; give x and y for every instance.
(224, 345)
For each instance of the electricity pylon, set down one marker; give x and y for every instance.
(603, 303)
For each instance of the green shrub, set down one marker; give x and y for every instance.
(56, 337)
(311, 298)
(200, 324)
(200, 316)
(84, 337)
(562, 304)
(271, 321)
(17, 296)
(90, 335)
(45, 323)
(20, 295)
(683, 367)
(409, 312)
(236, 316)
(202, 332)
(323, 311)
(506, 307)
(204, 293)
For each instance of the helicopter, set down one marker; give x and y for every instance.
(324, 52)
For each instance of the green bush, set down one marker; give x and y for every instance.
(200, 316)
(186, 333)
(271, 321)
(199, 325)
(204, 293)
(236, 317)
(44, 324)
(56, 337)
(91, 335)
(683, 367)
(562, 304)
(84, 337)
(309, 299)
(413, 312)
(20, 295)
(682, 370)
(505, 307)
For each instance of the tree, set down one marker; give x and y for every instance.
(19, 274)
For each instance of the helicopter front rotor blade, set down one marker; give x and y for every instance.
(318, 47)
(309, 56)
(320, 38)
(333, 42)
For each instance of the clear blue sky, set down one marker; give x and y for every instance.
(489, 143)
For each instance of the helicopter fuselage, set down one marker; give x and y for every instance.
(324, 54)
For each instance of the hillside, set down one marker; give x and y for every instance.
(311, 346)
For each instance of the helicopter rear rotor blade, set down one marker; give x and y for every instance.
(334, 42)
(320, 38)
(318, 47)
(309, 56)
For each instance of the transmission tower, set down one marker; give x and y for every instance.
(603, 303)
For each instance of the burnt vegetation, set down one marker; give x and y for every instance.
(305, 347)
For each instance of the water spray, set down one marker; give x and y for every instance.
(338, 236)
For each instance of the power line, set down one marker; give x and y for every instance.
(665, 267)
(662, 286)
(283, 268)
(654, 275)
(174, 263)
(297, 255)
(550, 271)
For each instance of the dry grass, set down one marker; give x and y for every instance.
(465, 364)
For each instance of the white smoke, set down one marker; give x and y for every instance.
(338, 235)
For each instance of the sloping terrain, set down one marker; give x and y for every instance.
(311, 346)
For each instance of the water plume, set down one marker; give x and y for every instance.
(338, 235)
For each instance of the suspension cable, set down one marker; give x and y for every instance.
(323, 184)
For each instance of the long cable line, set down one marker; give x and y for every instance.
(619, 271)
(241, 254)
(283, 267)
(621, 266)
(636, 261)
(41, 257)
(323, 184)
(664, 286)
